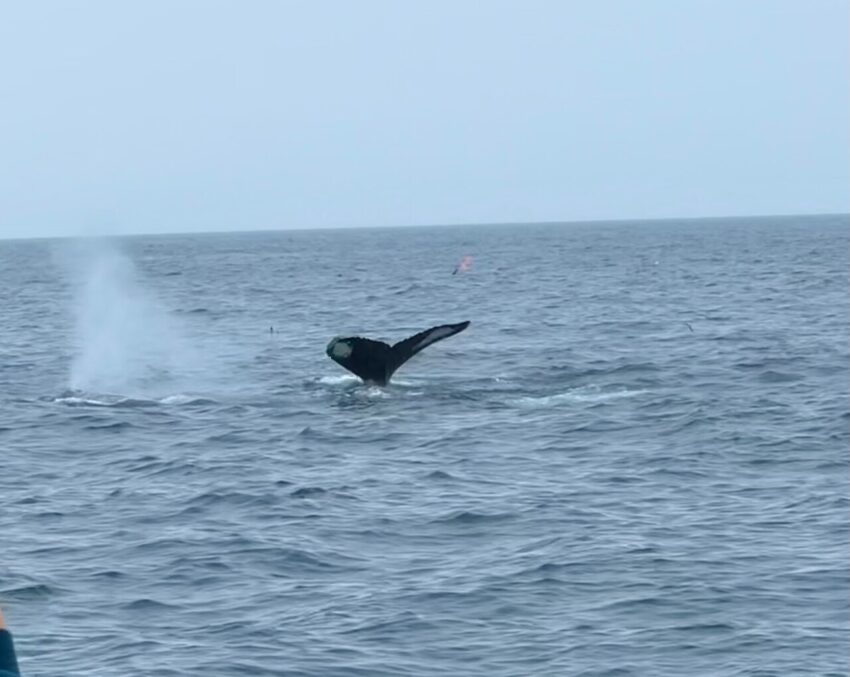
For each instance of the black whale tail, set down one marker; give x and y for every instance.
(404, 350)
(376, 361)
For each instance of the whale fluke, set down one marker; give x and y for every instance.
(376, 361)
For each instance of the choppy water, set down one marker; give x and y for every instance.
(634, 462)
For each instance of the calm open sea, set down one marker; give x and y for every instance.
(634, 461)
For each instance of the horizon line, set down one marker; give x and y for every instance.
(302, 229)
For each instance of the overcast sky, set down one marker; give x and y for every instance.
(198, 115)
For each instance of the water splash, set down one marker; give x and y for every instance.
(342, 379)
(587, 394)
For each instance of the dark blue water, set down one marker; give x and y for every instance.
(634, 462)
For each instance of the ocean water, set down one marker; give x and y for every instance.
(634, 461)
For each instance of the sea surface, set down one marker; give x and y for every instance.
(633, 462)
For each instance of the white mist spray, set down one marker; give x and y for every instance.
(125, 342)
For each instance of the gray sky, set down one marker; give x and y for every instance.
(196, 115)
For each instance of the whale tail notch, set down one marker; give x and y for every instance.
(376, 361)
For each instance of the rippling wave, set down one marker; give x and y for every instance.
(633, 462)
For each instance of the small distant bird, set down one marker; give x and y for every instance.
(689, 326)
